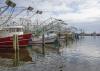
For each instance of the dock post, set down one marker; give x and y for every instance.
(17, 43)
(16, 50)
(66, 39)
(14, 46)
(59, 36)
(58, 42)
(43, 44)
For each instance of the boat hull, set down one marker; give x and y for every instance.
(24, 40)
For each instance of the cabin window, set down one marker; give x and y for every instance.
(18, 29)
(11, 30)
(7, 30)
(21, 29)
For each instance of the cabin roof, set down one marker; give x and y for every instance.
(7, 27)
(13, 27)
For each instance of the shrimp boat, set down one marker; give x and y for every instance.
(6, 36)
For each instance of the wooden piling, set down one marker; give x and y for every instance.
(17, 43)
(58, 42)
(59, 35)
(16, 50)
(43, 44)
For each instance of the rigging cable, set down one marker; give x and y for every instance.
(4, 10)
(3, 7)
(19, 13)
(12, 10)
(32, 14)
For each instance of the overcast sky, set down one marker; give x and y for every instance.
(84, 14)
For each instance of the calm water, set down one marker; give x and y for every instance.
(83, 55)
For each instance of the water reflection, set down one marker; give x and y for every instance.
(89, 46)
(79, 55)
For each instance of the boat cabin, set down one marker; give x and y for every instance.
(11, 30)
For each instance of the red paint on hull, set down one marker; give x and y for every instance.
(8, 41)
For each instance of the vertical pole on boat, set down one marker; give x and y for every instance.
(16, 50)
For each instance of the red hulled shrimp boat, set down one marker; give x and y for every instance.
(6, 36)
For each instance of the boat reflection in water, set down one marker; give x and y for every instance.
(83, 55)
